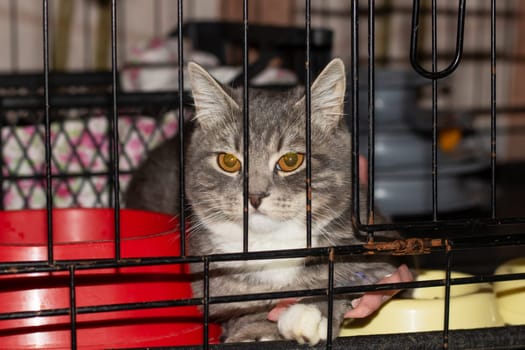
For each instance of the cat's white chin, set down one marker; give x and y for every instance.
(264, 233)
(261, 223)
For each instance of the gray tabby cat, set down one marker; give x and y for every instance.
(277, 214)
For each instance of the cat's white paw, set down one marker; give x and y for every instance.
(303, 323)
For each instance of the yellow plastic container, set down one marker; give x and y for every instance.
(471, 306)
(510, 295)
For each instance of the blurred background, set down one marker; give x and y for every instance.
(80, 42)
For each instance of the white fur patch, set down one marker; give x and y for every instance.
(303, 323)
(227, 237)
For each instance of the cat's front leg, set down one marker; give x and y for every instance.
(307, 322)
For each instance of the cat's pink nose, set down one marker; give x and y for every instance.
(256, 199)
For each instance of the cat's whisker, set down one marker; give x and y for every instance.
(173, 219)
(198, 221)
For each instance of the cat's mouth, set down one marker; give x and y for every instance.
(257, 211)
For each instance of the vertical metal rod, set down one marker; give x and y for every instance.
(435, 75)
(434, 114)
(13, 31)
(308, 126)
(371, 109)
(493, 107)
(354, 73)
(73, 306)
(446, 316)
(330, 315)
(246, 127)
(49, 190)
(115, 134)
(182, 182)
(206, 302)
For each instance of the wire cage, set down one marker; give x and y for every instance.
(74, 139)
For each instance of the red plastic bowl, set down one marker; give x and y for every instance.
(89, 234)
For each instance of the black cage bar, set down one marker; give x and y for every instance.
(440, 236)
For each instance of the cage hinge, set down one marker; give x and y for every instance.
(410, 246)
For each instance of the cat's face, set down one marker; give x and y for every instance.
(277, 155)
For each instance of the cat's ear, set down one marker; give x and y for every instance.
(327, 96)
(212, 103)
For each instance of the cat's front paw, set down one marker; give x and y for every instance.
(303, 323)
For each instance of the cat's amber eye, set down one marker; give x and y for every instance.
(290, 162)
(228, 162)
